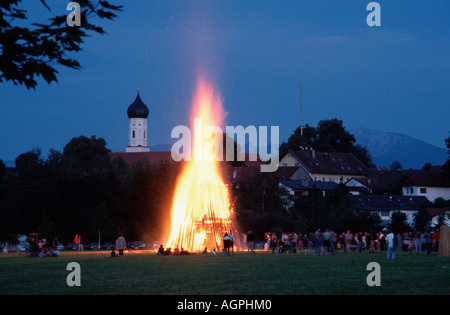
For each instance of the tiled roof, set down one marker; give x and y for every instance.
(244, 174)
(131, 158)
(431, 177)
(379, 182)
(427, 179)
(241, 174)
(387, 202)
(285, 172)
(308, 185)
(330, 162)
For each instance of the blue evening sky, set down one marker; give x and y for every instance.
(392, 78)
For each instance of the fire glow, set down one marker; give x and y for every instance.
(201, 209)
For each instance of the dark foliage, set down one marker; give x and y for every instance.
(81, 191)
(333, 211)
(329, 136)
(30, 52)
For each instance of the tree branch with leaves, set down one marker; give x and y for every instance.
(30, 52)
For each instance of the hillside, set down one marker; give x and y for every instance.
(386, 147)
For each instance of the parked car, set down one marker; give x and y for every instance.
(154, 245)
(109, 245)
(71, 246)
(95, 246)
(136, 245)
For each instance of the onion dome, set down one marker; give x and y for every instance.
(137, 109)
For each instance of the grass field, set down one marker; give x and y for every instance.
(239, 274)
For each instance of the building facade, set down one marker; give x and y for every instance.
(324, 166)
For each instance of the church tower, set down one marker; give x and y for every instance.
(137, 115)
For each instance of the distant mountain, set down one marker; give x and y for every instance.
(386, 147)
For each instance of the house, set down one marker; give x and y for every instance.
(428, 183)
(287, 173)
(359, 186)
(245, 173)
(238, 176)
(384, 181)
(305, 187)
(300, 188)
(439, 215)
(324, 166)
(376, 183)
(385, 205)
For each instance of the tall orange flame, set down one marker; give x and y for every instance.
(201, 210)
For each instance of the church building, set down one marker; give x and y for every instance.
(137, 116)
(138, 149)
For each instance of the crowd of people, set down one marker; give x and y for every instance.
(327, 241)
(319, 242)
(40, 247)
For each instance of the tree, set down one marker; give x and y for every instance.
(2, 168)
(262, 205)
(301, 224)
(84, 156)
(447, 143)
(267, 195)
(332, 137)
(426, 167)
(298, 140)
(366, 221)
(362, 154)
(442, 219)
(29, 164)
(421, 220)
(228, 142)
(329, 136)
(398, 223)
(82, 191)
(148, 200)
(140, 200)
(446, 166)
(29, 52)
(396, 166)
(439, 202)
